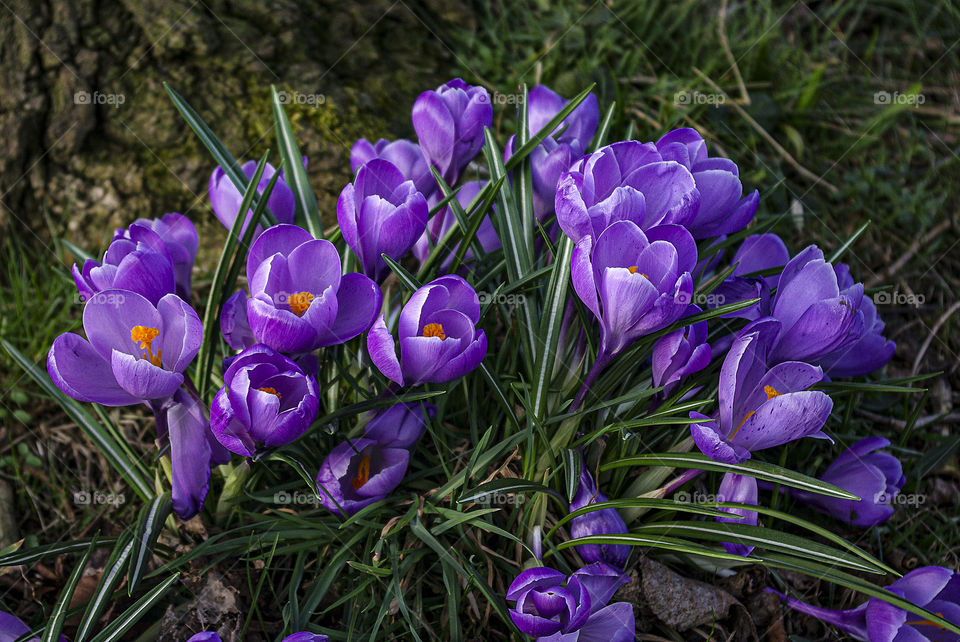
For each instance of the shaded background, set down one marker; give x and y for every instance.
(840, 112)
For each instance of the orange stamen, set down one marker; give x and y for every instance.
(928, 623)
(144, 335)
(771, 392)
(299, 302)
(363, 473)
(434, 330)
(272, 391)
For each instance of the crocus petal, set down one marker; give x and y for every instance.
(109, 318)
(784, 419)
(142, 379)
(613, 623)
(80, 371)
(383, 351)
(358, 302)
(182, 332)
(189, 457)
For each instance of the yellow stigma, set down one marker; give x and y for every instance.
(299, 302)
(434, 330)
(363, 473)
(745, 417)
(771, 392)
(633, 270)
(144, 335)
(272, 391)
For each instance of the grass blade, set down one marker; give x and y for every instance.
(59, 615)
(149, 525)
(135, 613)
(295, 173)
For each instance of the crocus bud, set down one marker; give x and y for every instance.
(875, 477)
(136, 260)
(381, 212)
(134, 350)
(403, 154)
(761, 406)
(438, 337)
(599, 522)
(449, 123)
(934, 588)
(399, 426)
(299, 299)
(225, 198)
(738, 489)
(182, 422)
(679, 354)
(626, 181)
(266, 401)
(179, 236)
(757, 253)
(579, 127)
(722, 210)
(306, 636)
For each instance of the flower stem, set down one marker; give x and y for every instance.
(602, 360)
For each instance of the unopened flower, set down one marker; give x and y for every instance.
(403, 154)
(449, 123)
(605, 521)
(225, 198)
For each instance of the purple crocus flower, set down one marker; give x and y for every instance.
(179, 236)
(868, 352)
(193, 450)
(441, 222)
(403, 154)
(635, 283)
(680, 354)
(555, 608)
(875, 477)
(205, 636)
(381, 212)
(136, 260)
(743, 490)
(299, 299)
(449, 123)
(626, 181)
(266, 401)
(760, 406)
(756, 253)
(934, 588)
(439, 341)
(722, 210)
(134, 350)
(225, 198)
(359, 472)
(599, 522)
(817, 315)
(547, 602)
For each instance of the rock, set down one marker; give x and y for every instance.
(680, 602)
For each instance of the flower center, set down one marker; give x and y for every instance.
(272, 391)
(363, 473)
(434, 330)
(771, 393)
(145, 335)
(633, 270)
(299, 302)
